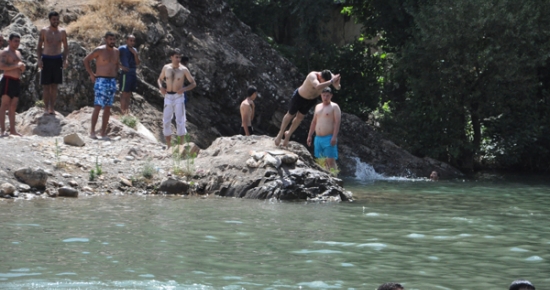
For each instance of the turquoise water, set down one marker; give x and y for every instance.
(471, 234)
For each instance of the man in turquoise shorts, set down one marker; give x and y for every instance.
(107, 63)
(326, 125)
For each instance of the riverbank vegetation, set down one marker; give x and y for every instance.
(462, 81)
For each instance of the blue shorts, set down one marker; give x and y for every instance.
(105, 89)
(128, 82)
(322, 147)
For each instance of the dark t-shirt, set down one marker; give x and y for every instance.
(127, 59)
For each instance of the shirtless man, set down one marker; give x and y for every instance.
(303, 99)
(247, 112)
(10, 85)
(106, 60)
(51, 60)
(174, 74)
(326, 123)
(129, 60)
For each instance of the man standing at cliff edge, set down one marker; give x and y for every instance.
(51, 61)
(303, 99)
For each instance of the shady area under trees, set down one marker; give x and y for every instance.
(462, 81)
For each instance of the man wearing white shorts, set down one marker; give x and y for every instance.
(174, 74)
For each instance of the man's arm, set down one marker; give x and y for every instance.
(39, 48)
(336, 82)
(336, 129)
(65, 48)
(124, 65)
(312, 127)
(319, 86)
(192, 84)
(93, 55)
(161, 78)
(136, 55)
(245, 111)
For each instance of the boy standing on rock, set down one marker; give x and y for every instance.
(51, 60)
(303, 99)
(174, 74)
(247, 112)
(326, 123)
(10, 84)
(129, 60)
(106, 60)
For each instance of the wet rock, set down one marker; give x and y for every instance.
(33, 177)
(67, 192)
(87, 189)
(66, 175)
(24, 188)
(73, 183)
(125, 182)
(74, 140)
(7, 189)
(171, 185)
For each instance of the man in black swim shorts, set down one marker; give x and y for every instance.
(303, 99)
(52, 60)
(12, 65)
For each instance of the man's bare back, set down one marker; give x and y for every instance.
(247, 110)
(310, 88)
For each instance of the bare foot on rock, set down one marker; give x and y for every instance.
(287, 139)
(278, 139)
(14, 133)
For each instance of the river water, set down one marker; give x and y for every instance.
(462, 234)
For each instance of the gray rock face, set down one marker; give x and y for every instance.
(67, 192)
(33, 177)
(252, 167)
(172, 185)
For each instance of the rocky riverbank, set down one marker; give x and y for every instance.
(56, 158)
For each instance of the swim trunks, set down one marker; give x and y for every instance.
(128, 82)
(322, 147)
(250, 130)
(10, 86)
(105, 88)
(52, 70)
(299, 104)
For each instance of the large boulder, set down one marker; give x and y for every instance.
(253, 167)
(33, 177)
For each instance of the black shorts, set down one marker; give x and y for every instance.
(250, 130)
(10, 86)
(299, 104)
(128, 82)
(52, 71)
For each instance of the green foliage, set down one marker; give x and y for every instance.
(92, 175)
(179, 155)
(39, 104)
(129, 121)
(98, 170)
(148, 170)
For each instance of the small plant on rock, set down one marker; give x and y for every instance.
(129, 121)
(57, 151)
(148, 170)
(39, 104)
(98, 170)
(92, 175)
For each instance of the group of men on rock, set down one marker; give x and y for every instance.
(174, 81)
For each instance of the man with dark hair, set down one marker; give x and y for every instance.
(129, 60)
(391, 286)
(10, 85)
(521, 285)
(303, 99)
(51, 60)
(107, 61)
(174, 74)
(247, 111)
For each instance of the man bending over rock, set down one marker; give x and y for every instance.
(174, 74)
(326, 123)
(303, 99)
(107, 61)
(10, 84)
(51, 60)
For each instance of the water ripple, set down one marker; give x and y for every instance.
(72, 240)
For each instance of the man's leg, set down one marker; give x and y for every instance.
(295, 123)
(330, 163)
(46, 98)
(286, 120)
(11, 116)
(180, 121)
(105, 120)
(53, 97)
(4, 105)
(95, 115)
(125, 102)
(167, 115)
